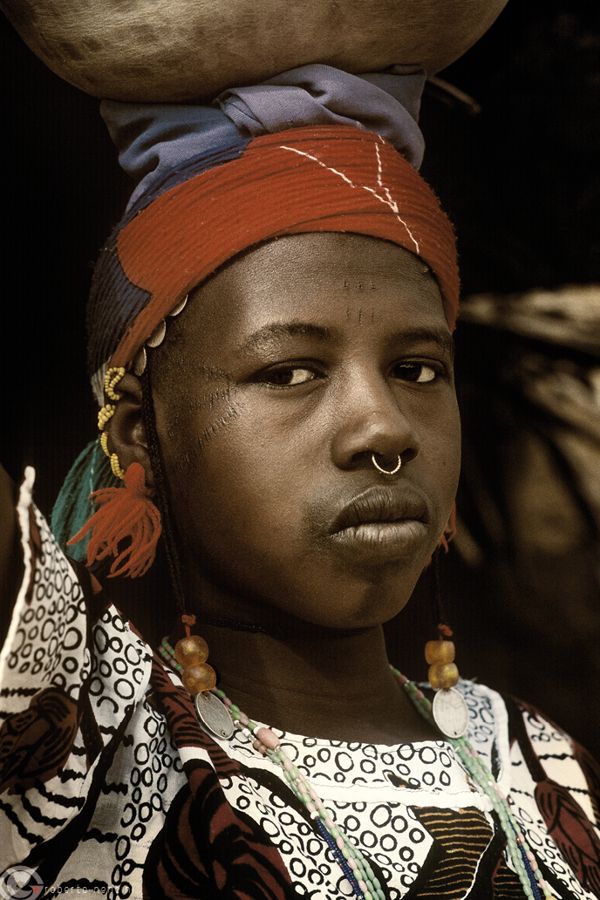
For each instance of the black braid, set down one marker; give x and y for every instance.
(162, 489)
(438, 594)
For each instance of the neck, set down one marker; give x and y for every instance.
(335, 685)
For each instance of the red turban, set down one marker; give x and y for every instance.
(312, 179)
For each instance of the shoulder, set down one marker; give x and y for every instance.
(538, 760)
(553, 759)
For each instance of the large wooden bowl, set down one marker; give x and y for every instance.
(153, 50)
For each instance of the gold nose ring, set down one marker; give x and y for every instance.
(386, 471)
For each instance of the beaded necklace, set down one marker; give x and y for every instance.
(352, 862)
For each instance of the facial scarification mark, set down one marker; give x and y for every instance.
(209, 433)
(362, 316)
(360, 285)
(211, 372)
(211, 399)
(212, 405)
(216, 400)
(381, 192)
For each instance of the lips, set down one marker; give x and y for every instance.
(382, 524)
(379, 504)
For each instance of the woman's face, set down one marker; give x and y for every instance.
(285, 373)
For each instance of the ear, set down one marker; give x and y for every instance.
(127, 436)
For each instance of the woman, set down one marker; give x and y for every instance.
(270, 337)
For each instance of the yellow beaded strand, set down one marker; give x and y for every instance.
(113, 376)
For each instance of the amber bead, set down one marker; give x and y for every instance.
(200, 678)
(191, 651)
(443, 675)
(439, 652)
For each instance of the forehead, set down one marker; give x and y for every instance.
(326, 278)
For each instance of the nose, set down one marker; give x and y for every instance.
(372, 425)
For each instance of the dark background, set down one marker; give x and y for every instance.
(520, 180)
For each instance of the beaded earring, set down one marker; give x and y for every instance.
(199, 678)
(191, 652)
(448, 708)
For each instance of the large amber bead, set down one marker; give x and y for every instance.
(439, 652)
(444, 675)
(198, 679)
(191, 651)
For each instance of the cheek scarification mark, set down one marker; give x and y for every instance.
(211, 372)
(211, 431)
(212, 408)
(211, 399)
(219, 402)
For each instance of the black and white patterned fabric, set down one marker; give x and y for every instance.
(110, 785)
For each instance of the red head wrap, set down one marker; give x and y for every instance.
(310, 179)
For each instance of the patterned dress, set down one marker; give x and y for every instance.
(109, 785)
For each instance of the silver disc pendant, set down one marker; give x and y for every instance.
(214, 715)
(450, 712)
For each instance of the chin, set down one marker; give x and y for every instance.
(365, 606)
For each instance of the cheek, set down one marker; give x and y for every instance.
(451, 465)
(230, 480)
(447, 442)
(455, 443)
(440, 453)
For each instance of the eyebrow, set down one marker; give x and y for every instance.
(270, 335)
(439, 336)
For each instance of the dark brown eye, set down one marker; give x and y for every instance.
(289, 376)
(417, 373)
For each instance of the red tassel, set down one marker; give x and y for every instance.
(124, 513)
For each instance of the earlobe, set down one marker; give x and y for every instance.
(126, 432)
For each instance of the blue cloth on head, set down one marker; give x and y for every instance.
(387, 103)
(155, 139)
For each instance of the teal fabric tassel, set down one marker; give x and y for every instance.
(74, 506)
